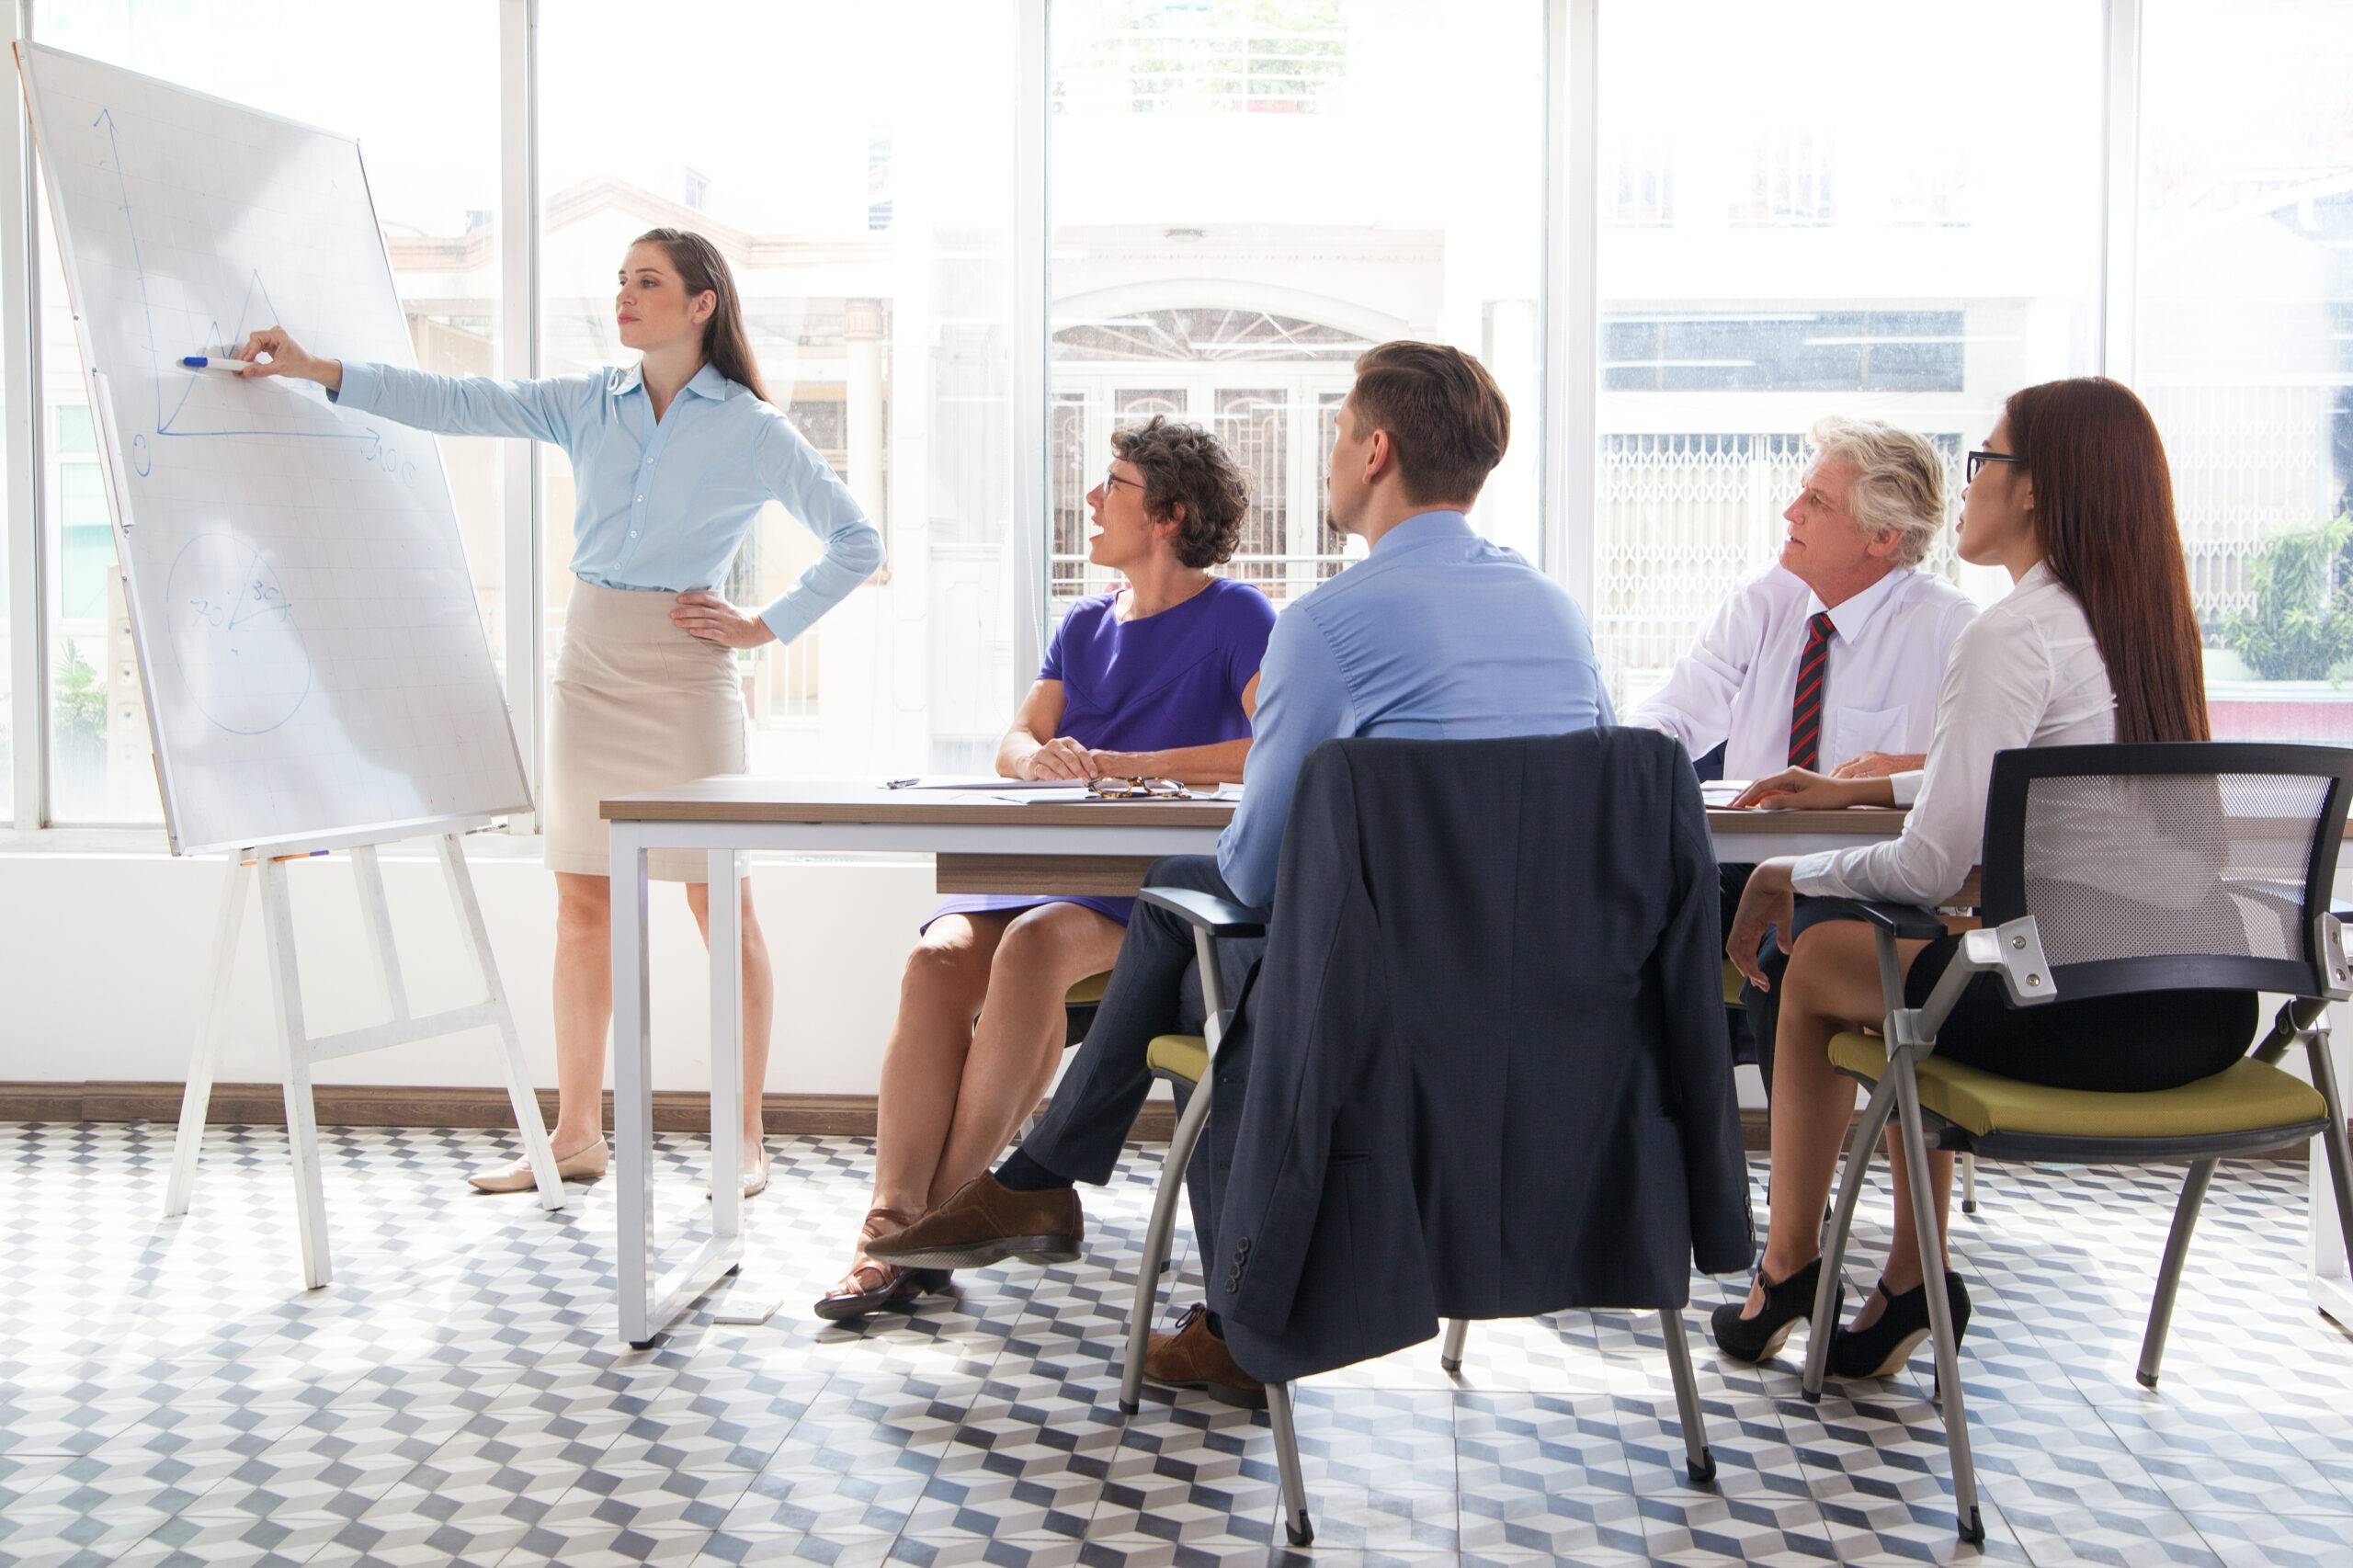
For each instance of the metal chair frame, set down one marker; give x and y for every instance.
(2013, 949)
(1212, 918)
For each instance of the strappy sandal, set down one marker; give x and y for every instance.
(870, 1286)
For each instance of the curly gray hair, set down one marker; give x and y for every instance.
(1899, 480)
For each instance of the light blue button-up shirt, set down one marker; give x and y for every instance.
(1437, 634)
(660, 505)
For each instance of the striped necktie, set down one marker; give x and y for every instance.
(1805, 714)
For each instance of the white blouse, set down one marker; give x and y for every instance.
(2026, 672)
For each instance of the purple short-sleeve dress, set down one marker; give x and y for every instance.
(1154, 684)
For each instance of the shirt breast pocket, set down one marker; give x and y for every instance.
(1859, 730)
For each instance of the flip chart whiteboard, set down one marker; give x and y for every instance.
(309, 639)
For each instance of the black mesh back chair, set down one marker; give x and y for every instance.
(2107, 870)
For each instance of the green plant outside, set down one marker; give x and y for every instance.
(2302, 627)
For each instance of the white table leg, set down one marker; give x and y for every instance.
(726, 895)
(633, 1094)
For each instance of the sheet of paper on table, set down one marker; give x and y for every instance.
(1722, 792)
(992, 784)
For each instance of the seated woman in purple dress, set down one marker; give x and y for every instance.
(1157, 680)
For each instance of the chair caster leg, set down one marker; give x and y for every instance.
(1702, 1470)
(1972, 1529)
(1299, 1531)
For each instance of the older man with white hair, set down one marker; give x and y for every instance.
(1830, 658)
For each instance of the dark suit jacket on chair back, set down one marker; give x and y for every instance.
(1482, 1071)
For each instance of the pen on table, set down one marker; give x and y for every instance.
(902, 783)
(214, 362)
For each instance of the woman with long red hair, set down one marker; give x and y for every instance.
(2096, 643)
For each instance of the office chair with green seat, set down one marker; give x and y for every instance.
(2195, 867)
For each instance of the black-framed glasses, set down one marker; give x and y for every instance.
(1979, 458)
(1114, 788)
(1111, 480)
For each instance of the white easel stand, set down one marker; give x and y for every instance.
(301, 1052)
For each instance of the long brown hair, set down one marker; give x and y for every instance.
(726, 345)
(2103, 513)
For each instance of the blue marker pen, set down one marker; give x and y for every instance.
(214, 362)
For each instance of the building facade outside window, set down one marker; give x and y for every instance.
(1248, 195)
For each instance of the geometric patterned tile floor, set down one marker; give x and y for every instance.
(168, 1394)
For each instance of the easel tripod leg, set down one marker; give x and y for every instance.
(302, 1122)
(188, 1146)
(520, 1092)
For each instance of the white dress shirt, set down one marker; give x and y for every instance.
(1738, 683)
(2027, 673)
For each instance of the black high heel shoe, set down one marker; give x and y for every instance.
(1880, 1350)
(1787, 1304)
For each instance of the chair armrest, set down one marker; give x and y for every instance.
(1207, 912)
(1907, 920)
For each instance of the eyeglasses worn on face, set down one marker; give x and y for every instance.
(1111, 481)
(1979, 458)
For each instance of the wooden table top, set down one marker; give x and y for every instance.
(743, 798)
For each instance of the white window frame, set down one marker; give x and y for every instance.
(1569, 304)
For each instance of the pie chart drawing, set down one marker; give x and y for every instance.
(235, 636)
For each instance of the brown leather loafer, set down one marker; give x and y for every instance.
(1193, 1358)
(869, 1287)
(982, 1223)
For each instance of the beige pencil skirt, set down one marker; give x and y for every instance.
(638, 704)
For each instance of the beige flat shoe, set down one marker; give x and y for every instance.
(756, 1180)
(588, 1165)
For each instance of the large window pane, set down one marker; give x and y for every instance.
(1249, 193)
(2246, 344)
(856, 165)
(1805, 218)
(422, 98)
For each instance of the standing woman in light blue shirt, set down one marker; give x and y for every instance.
(673, 460)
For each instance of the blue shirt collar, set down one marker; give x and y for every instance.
(706, 383)
(1423, 527)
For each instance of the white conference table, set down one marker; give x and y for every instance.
(983, 842)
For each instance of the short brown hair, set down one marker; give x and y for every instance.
(1444, 413)
(1184, 465)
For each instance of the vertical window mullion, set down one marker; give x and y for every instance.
(1571, 226)
(2119, 189)
(1032, 383)
(20, 361)
(518, 356)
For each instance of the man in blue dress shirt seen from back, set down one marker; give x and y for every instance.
(1437, 634)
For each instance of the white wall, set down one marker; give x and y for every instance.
(105, 961)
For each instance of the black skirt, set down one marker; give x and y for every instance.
(2149, 1040)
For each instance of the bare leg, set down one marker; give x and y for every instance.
(759, 1009)
(947, 976)
(584, 1008)
(1830, 986)
(1019, 1037)
(1902, 1270)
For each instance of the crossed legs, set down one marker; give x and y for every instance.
(1831, 986)
(980, 1031)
